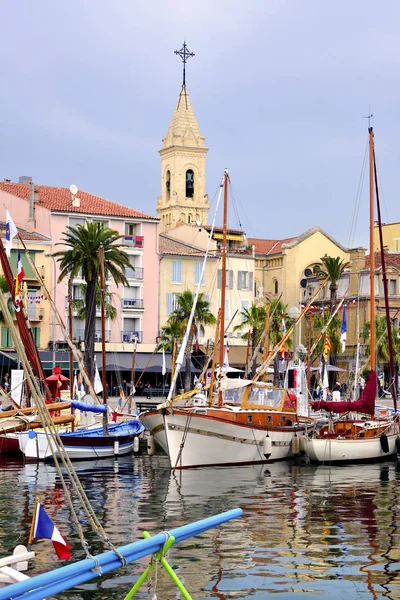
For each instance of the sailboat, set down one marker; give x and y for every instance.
(348, 439)
(248, 422)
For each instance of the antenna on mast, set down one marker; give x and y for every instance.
(369, 117)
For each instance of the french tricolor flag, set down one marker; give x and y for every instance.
(45, 528)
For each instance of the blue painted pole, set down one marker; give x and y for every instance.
(64, 578)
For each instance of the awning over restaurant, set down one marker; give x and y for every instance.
(144, 361)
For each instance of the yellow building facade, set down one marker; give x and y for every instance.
(180, 269)
(390, 235)
(281, 265)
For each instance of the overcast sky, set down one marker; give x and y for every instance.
(279, 88)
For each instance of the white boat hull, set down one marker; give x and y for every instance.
(348, 450)
(198, 441)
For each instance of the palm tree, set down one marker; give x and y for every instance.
(169, 333)
(179, 319)
(252, 319)
(82, 255)
(79, 304)
(382, 343)
(278, 310)
(332, 268)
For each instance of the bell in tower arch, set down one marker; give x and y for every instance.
(189, 183)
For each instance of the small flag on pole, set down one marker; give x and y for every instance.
(44, 528)
(283, 323)
(98, 386)
(226, 357)
(343, 336)
(327, 347)
(11, 232)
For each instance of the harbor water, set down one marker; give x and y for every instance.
(326, 531)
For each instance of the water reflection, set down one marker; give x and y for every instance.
(323, 530)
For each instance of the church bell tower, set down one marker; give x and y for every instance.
(183, 164)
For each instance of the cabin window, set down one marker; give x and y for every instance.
(189, 183)
(168, 184)
(289, 422)
(249, 418)
(269, 419)
(283, 420)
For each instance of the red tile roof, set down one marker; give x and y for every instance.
(25, 235)
(269, 246)
(169, 245)
(59, 200)
(391, 260)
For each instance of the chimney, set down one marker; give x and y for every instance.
(357, 263)
(25, 179)
(32, 199)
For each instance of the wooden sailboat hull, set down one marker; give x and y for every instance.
(9, 428)
(84, 444)
(340, 449)
(215, 437)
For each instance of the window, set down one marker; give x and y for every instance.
(190, 219)
(176, 271)
(397, 244)
(130, 229)
(189, 183)
(244, 304)
(197, 273)
(245, 280)
(77, 293)
(172, 302)
(229, 279)
(392, 287)
(227, 309)
(102, 222)
(74, 221)
(6, 339)
(276, 287)
(168, 184)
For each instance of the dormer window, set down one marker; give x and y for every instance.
(168, 184)
(189, 183)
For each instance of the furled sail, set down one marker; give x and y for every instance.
(364, 404)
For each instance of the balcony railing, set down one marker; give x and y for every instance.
(137, 241)
(132, 336)
(134, 273)
(132, 303)
(79, 334)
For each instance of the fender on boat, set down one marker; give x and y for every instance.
(398, 445)
(151, 446)
(295, 444)
(267, 446)
(385, 443)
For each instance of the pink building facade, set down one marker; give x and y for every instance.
(49, 211)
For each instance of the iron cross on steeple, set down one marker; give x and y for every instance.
(184, 54)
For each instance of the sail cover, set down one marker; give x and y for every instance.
(365, 403)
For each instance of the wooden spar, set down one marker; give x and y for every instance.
(28, 411)
(248, 350)
(214, 360)
(275, 351)
(371, 249)
(71, 358)
(310, 328)
(132, 377)
(385, 292)
(103, 337)
(266, 339)
(24, 328)
(223, 285)
(32, 529)
(173, 358)
(325, 327)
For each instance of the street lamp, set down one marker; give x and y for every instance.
(294, 313)
(53, 294)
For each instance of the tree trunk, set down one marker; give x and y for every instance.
(90, 328)
(253, 345)
(188, 363)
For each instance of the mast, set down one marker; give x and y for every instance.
(103, 338)
(371, 249)
(385, 292)
(223, 285)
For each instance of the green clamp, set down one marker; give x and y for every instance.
(160, 557)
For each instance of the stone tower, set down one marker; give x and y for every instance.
(183, 169)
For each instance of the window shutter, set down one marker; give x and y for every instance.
(250, 281)
(240, 280)
(207, 297)
(176, 271)
(169, 303)
(197, 273)
(227, 309)
(231, 279)
(4, 337)
(219, 283)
